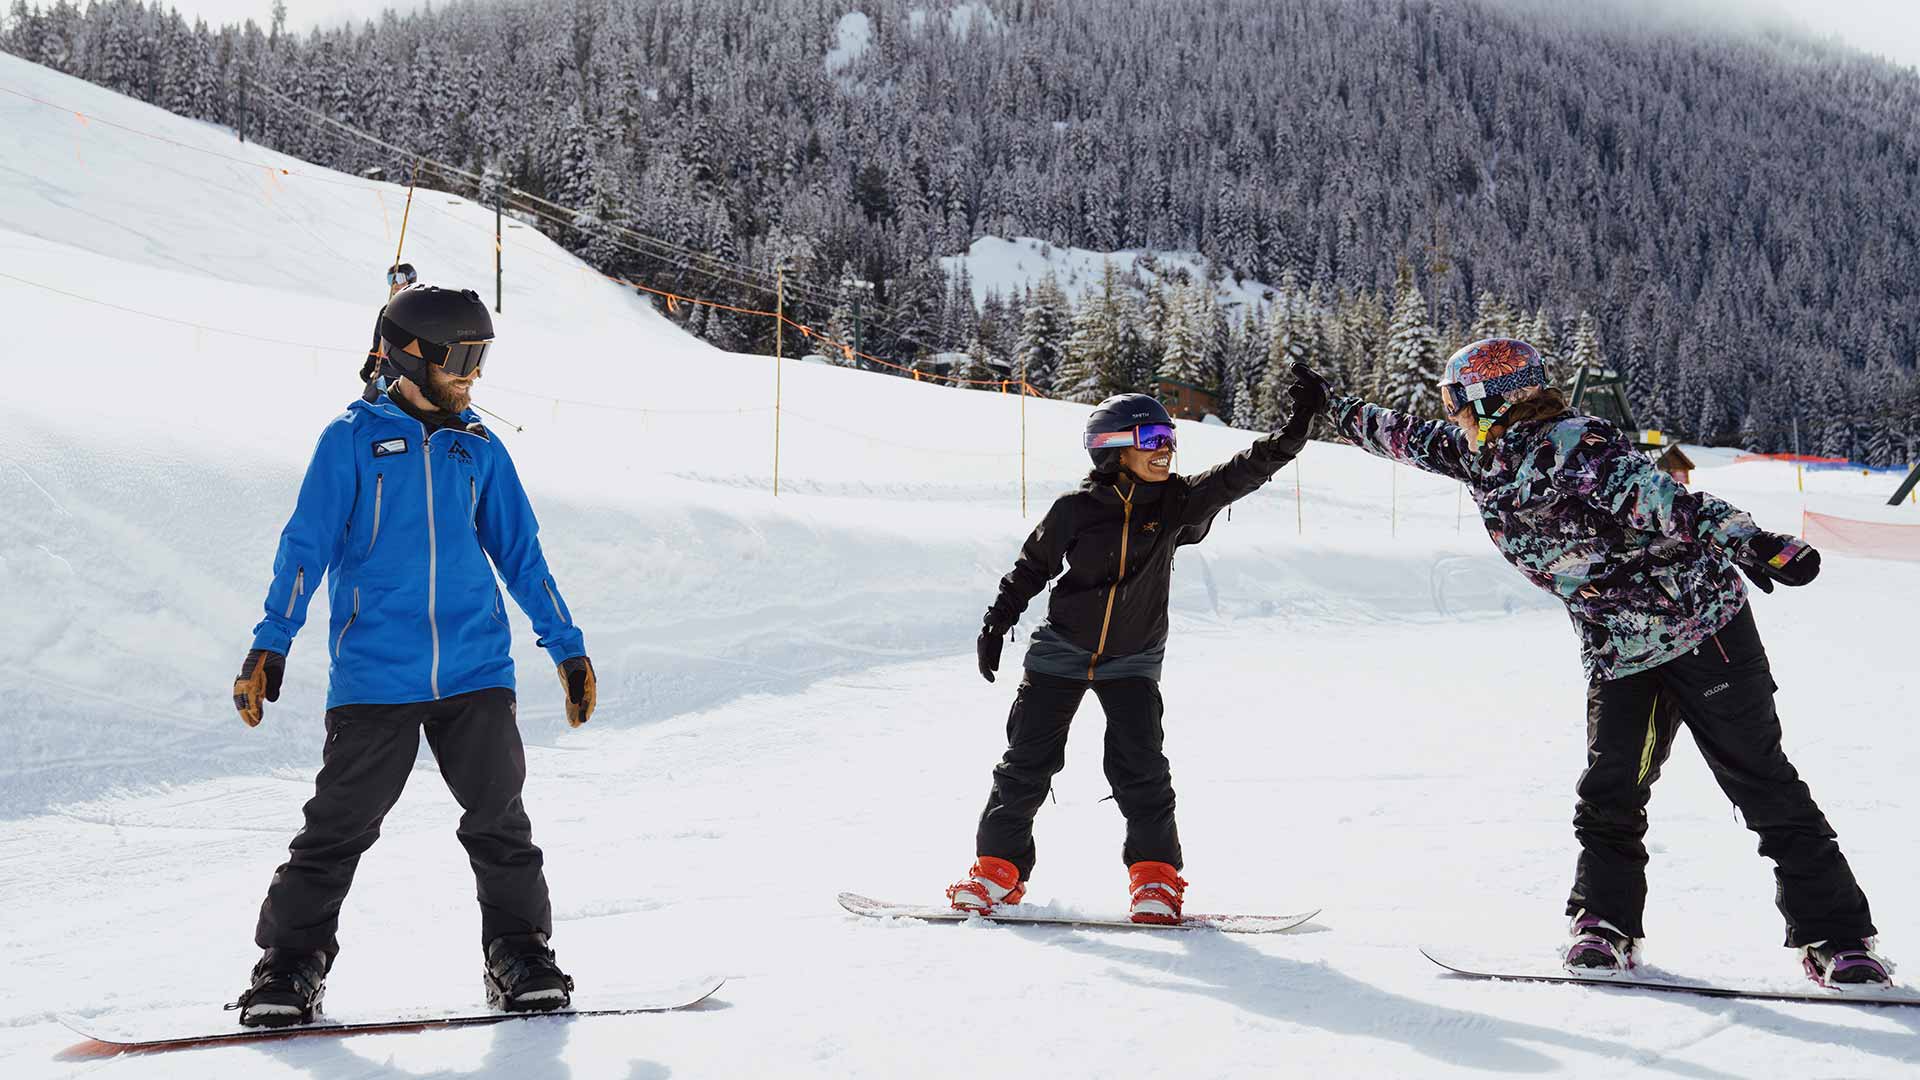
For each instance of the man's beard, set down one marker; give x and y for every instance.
(441, 396)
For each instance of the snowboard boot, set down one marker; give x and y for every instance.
(991, 881)
(1157, 890)
(1845, 962)
(1598, 947)
(522, 976)
(288, 986)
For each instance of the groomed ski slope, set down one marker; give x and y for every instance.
(1368, 712)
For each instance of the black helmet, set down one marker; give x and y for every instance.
(1122, 412)
(425, 324)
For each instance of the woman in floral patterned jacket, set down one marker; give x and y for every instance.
(1647, 571)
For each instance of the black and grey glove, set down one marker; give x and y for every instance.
(1769, 557)
(1310, 393)
(988, 648)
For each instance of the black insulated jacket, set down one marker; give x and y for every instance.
(1117, 537)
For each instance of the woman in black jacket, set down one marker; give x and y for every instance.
(1106, 630)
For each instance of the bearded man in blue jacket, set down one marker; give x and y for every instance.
(407, 510)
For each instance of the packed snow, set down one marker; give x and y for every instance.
(1368, 712)
(1009, 265)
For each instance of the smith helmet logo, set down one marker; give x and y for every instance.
(389, 447)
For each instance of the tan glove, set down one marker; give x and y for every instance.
(259, 682)
(576, 679)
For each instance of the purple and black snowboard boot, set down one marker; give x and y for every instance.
(1846, 962)
(1599, 947)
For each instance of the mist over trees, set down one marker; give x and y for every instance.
(1730, 219)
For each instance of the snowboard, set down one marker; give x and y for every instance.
(1546, 971)
(167, 1029)
(1026, 915)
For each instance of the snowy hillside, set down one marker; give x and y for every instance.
(1367, 711)
(1008, 266)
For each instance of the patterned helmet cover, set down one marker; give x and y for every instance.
(1494, 368)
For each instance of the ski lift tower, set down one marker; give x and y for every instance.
(1603, 393)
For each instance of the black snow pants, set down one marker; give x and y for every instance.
(1136, 767)
(369, 751)
(1723, 692)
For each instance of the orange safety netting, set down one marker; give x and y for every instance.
(1803, 459)
(1873, 539)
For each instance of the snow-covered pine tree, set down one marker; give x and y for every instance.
(979, 372)
(1492, 317)
(1044, 325)
(1182, 338)
(1411, 370)
(1586, 355)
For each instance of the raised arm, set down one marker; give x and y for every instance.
(1432, 445)
(1594, 463)
(1243, 473)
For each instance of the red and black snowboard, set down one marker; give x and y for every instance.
(1030, 915)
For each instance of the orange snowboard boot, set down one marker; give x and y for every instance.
(991, 881)
(1157, 892)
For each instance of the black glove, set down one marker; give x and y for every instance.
(1769, 557)
(259, 682)
(576, 677)
(988, 647)
(1310, 393)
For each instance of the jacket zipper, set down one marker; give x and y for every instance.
(473, 503)
(1724, 658)
(337, 642)
(555, 601)
(433, 560)
(1126, 531)
(379, 489)
(299, 586)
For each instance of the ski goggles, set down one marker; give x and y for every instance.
(459, 359)
(1453, 396)
(1145, 437)
(401, 275)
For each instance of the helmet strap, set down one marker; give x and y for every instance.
(1487, 421)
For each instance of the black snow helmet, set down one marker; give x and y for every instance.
(1122, 412)
(425, 324)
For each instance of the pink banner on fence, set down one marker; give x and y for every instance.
(1873, 539)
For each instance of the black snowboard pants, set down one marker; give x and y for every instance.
(1136, 767)
(1723, 692)
(369, 751)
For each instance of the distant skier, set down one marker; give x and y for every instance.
(373, 373)
(1106, 631)
(418, 640)
(1646, 569)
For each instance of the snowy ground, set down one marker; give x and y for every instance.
(789, 703)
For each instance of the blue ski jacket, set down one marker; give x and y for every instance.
(402, 523)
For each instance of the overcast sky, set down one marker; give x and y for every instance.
(1890, 28)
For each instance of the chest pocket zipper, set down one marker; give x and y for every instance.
(379, 491)
(473, 503)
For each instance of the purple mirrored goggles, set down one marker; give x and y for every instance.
(1146, 437)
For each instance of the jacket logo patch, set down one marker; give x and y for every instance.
(389, 447)
(1716, 690)
(1151, 526)
(456, 452)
